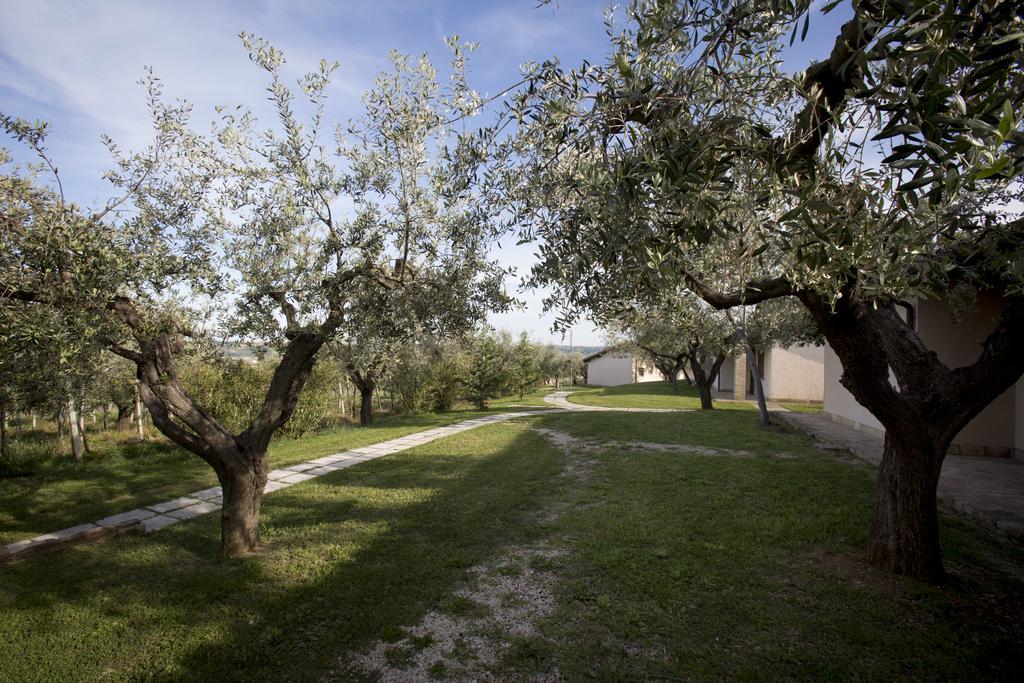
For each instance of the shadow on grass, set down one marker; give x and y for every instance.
(348, 559)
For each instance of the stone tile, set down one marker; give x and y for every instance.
(20, 546)
(131, 516)
(275, 485)
(327, 460)
(193, 511)
(301, 467)
(279, 474)
(322, 470)
(206, 494)
(296, 477)
(173, 504)
(69, 533)
(156, 523)
(342, 464)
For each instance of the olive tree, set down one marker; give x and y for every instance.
(243, 230)
(884, 171)
(677, 331)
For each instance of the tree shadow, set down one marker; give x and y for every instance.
(348, 559)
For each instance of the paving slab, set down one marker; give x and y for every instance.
(193, 511)
(297, 477)
(173, 504)
(327, 460)
(206, 494)
(156, 523)
(275, 485)
(301, 467)
(136, 515)
(69, 533)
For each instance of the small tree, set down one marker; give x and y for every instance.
(681, 331)
(490, 369)
(552, 364)
(526, 366)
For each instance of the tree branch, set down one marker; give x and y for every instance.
(753, 292)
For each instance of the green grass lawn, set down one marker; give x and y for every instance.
(660, 564)
(647, 395)
(122, 473)
(802, 407)
(533, 399)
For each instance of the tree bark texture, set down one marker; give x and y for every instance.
(73, 430)
(755, 373)
(702, 379)
(243, 484)
(366, 405)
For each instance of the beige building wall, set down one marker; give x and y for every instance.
(646, 372)
(727, 375)
(958, 343)
(996, 430)
(610, 370)
(615, 368)
(796, 373)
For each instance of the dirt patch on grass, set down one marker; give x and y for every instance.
(501, 604)
(570, 442)
(504, 599)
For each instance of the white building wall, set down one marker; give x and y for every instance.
(646, 373)
(840, 404)
(796, 373)
(610, 370)
(727, 375)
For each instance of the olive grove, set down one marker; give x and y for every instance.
(886, 171)
(242, 232)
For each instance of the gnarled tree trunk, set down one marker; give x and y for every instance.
(905, 529)
(923, 405)
(704, 380)
(124, 418)
(240, 461)
(365, 405)
(242, 498)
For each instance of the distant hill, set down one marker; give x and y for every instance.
(585, 350)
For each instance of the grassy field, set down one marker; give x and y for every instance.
(716, 549)
(647, 395)
(533, 399)
(53, 492)
(661, 395)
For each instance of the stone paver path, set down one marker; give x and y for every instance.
(559, 400)
(991, 489)
(160, 515)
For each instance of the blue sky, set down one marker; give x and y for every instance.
(76, 65)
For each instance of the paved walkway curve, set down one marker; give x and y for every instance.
(559, 399)
(154, 517)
